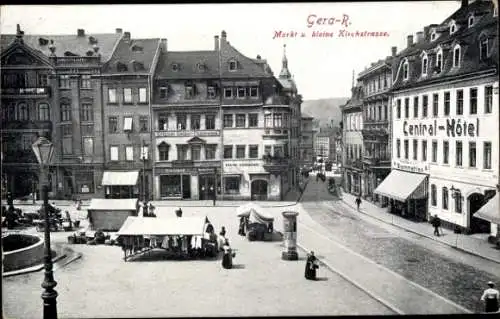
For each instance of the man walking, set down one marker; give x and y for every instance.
(436, 223)
(491, 297)
(358, 202)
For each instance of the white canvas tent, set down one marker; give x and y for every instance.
(254, 213)
(136, 226)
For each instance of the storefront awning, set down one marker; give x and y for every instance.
(490, 211)
(128, 178)
(400, 185)
(113, 204)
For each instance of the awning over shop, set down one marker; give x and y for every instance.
(128, 178)
(113, 204)
(135, 226)
(400, 185)
(490, 211)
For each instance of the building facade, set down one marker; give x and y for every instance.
(352, 141)
(445, 123)
(377, 82)
(307, 141)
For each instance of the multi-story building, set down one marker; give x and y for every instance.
(324, 143)
(445, 124)
(376, 81)
(352, 142)
(337, 160)
(307, 141)
(126, 83)
(48, 90)
(216, 115)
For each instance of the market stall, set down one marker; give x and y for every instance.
(110, 214)
(255, 223)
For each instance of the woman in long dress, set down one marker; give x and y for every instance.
(227, 258)
(311, 266)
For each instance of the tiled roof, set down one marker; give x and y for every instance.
(246, 67)
(137, 55)
(356, 99)
(188, 65)
(67, 43)
(467, 38)
(387, 61)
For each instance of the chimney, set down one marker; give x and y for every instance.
(216, 43)
(126, 36)
(163, 45)
(465, 3)
(420, 36)
(426, 32)
(80, 32)
(394, 51)
(409, 41)
(119, 30)
(258, 57)
(223, 35)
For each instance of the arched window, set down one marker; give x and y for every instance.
(433, 195)
(163, 149)
(23, 112)
(439, 60)
(453, 28)
(43, 112)
(405, 69)
(433, 35)
(445, 198)
(456, 56)
(425, 64)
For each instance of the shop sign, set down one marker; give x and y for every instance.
(411, 167)
(452, 128)
(186, 133)
(206, 170)
(175, 171)
(242, 164)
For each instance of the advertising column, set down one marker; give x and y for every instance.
(290, 236)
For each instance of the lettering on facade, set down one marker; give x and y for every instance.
(410, 168)
(186, 133)
(243, 164)
(453, 128)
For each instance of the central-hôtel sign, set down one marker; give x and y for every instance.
(452, 127)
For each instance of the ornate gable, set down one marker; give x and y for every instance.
(19, 54)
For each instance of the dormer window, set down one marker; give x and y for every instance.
(200, 67)
(453, 27)
(483, 48)
(189, 90)
(456, 56)
(405, 69)
(470, 22)
(175, 67)
(425, 64)
(137, 48)
(121, 67)
(439, 60)
(232, 65)
(433, 35)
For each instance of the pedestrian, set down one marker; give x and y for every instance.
(358, 202)
(436, 223)
(311, 266)
(241, 229)
(227, 258)
(223, 231)
(491, 298)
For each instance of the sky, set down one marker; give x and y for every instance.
(322, 66)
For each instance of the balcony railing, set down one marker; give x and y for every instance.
(187, 133)
(275, 132)
(35, 91)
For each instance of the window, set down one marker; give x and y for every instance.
(446, 151)
(210, 151)
(65, 112)
(162, 122)
(473, 100)
(127, 95)
(425, 102)
(488, 99)
(434, 151)
(405, 70)
(446, 103)
(85, 81)
(113, 124)
(189, 91)
(456, 56)
(415, 106)
(43, 80)
(240, 151)
(472, 154)
(228, 93)
(163, 149)
(210, 122)
(182, 152)
(487, 155)
(483, 48)
(439, 61)
(425, 61)
(143, 123)
(175, 67)
(459, 153)
(87, 129)
(163, 92)
(471, 21)
(181, 122)
(144, 152)
(129, 153)
(277, 120)
(195, 121)
(211, 93)
(453, 28)
(385, 112)
(435, 104)
(254, 91)
(253, 120)
(278, 151)
(445, 198)
(127, 123)
(64, 82)
(460, 102)
(241, 92)
(433, 195)
(240, 120)
(111, 95)
(415, 149)
(87, 113)
(113, 151)
(398, 108)
(228, 120)
(232, 185)
(253, 151)
(433, 36)
(195, 152)
(88, 146)
(424, 151)
(67, 140)
(143, 95)
(407, 107)
(458, 201)
(43, 112)
(228, 151)
(267, 149)
(232, 65)
(406, 146)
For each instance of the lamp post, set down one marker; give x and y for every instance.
(144, 200)
(44, 150)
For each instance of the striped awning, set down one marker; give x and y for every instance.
(400, 185)
(128, 178)
(490, 211)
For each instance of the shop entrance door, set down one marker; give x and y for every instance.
(205, 182)
(477, 225)
(186, 186)
(259, 190)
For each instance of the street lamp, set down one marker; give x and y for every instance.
(144, 200)
(44, 150)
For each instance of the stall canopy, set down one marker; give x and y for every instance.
(490, 211)
(400, 185)
(254, 212)
(136, 226)
(113, 204)
(128, 178)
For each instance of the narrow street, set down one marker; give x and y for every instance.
(456, 276)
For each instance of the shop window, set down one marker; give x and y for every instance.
(445, 198)
(240, 120)
(228, 151)
(458, 155)
(195, 152)
(240, 151)
(210, 151)
(232, 185)
(210, 122)
(228, 120)
(253, 151)
(163, 149)
(433, 195)
(170, 186)
(84, 182)
(195, 121)
(487, 155)
(488, 99)
(473, 100)
(472, 154)
(43, 112)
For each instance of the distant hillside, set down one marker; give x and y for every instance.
(324, 110)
